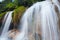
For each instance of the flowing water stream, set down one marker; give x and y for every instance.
(6, 24)
(39, 22)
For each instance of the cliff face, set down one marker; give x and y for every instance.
(58, 14)
(0, 22)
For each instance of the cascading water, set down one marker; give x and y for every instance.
(39, 22)
(5, 17)
(56, 2)
(6, 23)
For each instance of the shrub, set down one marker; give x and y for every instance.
(2, 15)
(10, 6)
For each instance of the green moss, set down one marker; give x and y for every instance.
(18, 13)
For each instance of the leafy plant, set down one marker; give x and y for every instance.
(2, 15)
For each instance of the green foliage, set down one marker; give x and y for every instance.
(2, 7)
(25, 2)
(2, 15)
(10, 6)
(16, 2)
(28, 2)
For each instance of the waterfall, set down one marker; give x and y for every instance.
(39, 22)
(56, 2)
(6, 24)
(5, 17)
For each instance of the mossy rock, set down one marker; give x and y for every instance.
(18, 14)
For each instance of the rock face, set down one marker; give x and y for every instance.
(1, 20)
(13, 33)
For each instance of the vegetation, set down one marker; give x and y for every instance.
(8, 5)
(18, 6)
(17, 14)
(2, 14)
